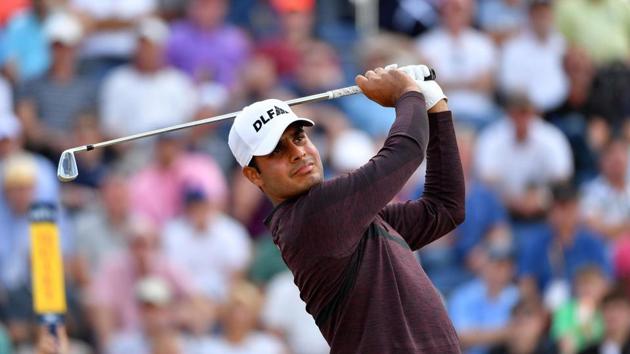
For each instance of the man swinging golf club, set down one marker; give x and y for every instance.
(348, 249)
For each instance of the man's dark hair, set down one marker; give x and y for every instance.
(252, 164)
(618, 293)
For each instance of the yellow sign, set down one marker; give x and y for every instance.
(47, 269)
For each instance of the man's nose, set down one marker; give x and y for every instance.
(296, 152)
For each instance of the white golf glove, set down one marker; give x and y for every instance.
(430, 89)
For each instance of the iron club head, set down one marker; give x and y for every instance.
(67, 170)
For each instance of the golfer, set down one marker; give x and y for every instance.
(349, 250)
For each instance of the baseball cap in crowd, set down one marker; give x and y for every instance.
(10, 126)
(152, 29)
(153, 290)
(258, 127)
(293, 5)
(63, 27)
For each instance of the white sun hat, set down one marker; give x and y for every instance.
(257, 129)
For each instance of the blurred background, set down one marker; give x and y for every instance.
(163, 241)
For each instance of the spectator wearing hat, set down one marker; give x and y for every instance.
(110, 41)
(211, 246)
(538, 51)
(615, 309)
(502, 19)
(205, 47)
(111, 296)
(146, 94)
(157, 190)
(550, 260)
(480, 309)
(24, 49)
(50, 104)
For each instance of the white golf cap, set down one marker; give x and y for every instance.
(258, 127)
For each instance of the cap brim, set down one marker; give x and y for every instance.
(271, 140)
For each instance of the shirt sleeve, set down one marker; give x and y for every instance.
(441, 207)
(340, 210)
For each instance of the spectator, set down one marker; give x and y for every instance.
(527, 331)
(295, 34)
(157, 190)
(6, 96)
(146, 94)
(480, 310)
(100, 228)
(157, 322)
(578, 322)
(111, 296)
(214, 248)
(599, 26)
(19, 184)
(465, 59)
(205, 47)
(521, 156)
(319, 70)
(502, 19)
(284, 313)
(49, 104)
(537, 52)
(239, 321)
(550, 261)
(5, 343)
(615, 308)
(110, 25)
(605, 202)
(25, 53)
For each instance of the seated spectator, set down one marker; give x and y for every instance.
(19, 177)
(549, 261)
(480, 310)
(111, 24)
(527, 331)
(146, 94)
(465, 59)
(50, 104)
(605, 203)
(211, 246)
(319, 70)
(205, 47)
(111, 297)
(578, 322)
(502, 19)
(239, 321)
(284, 313)
(295, 33)
(100, 228)
(157, 322)
(537, 52)
(615, 308)
(157, 189)
(520, 157)
(24, 49)
(599, 26)
(453, 259)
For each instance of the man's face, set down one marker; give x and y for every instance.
(290, 170)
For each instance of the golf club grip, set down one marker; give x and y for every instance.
(352, 90)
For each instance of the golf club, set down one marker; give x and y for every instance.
(67, 170)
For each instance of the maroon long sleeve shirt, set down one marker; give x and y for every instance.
(351, 253)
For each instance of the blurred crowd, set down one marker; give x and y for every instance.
(163, 239)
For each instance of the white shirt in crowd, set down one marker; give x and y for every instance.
(461, 59)
(212, 256)
(544, 157)
(134, 102)
(114, 43)
(285, 311)
(255, 343)
(535, 67)
(609, 205)
(6, 97)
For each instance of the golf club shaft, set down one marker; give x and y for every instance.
(345, 91)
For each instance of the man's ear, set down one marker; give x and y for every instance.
(253, 175)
